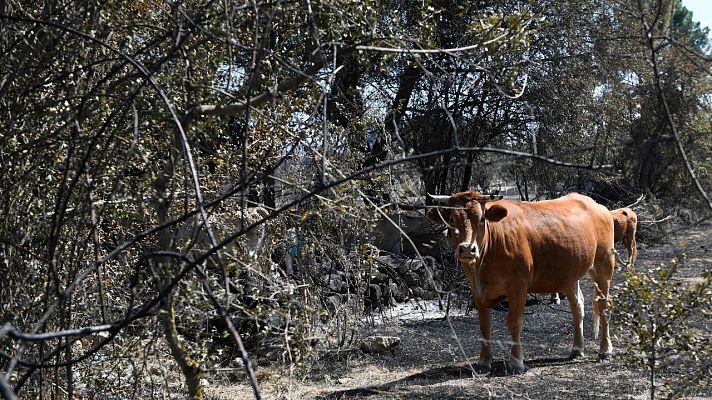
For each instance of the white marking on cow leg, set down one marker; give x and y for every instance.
(596, 320)
(596, 311)
(577, 312)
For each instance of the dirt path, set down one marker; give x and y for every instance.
(429, 363)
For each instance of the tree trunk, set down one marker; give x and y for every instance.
(467, 176)
(163, 271)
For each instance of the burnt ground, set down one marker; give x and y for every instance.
(429, 362)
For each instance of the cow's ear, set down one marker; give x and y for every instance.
(495, 213)
(438, 215)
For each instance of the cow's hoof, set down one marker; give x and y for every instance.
(576, 353)
(483, 369)
(604, 357)
(518, 370)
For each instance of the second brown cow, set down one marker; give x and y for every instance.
(625, 223)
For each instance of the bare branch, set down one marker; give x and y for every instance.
(256, 101)
(10, 330)
(6, 390)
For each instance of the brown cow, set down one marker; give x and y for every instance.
(625, 222)
(509, 249)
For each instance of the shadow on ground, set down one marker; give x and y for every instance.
(412, 385)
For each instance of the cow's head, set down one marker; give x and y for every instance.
(465, 214)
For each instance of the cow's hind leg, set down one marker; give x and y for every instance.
(632, 246)
(485, 315)
(515, 318)
(576, 303)
(602, 273)
(595, 311)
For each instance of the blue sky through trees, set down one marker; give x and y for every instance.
(701, 11)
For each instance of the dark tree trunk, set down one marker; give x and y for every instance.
(408, 80)
(268, 196)
(467, 175)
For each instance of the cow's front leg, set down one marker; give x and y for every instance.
(515, 318)
(485, 315)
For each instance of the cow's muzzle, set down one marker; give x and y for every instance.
(467, 251)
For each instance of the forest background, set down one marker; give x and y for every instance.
(157, 158)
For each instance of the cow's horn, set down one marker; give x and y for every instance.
(440, 199)
(486, 198)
